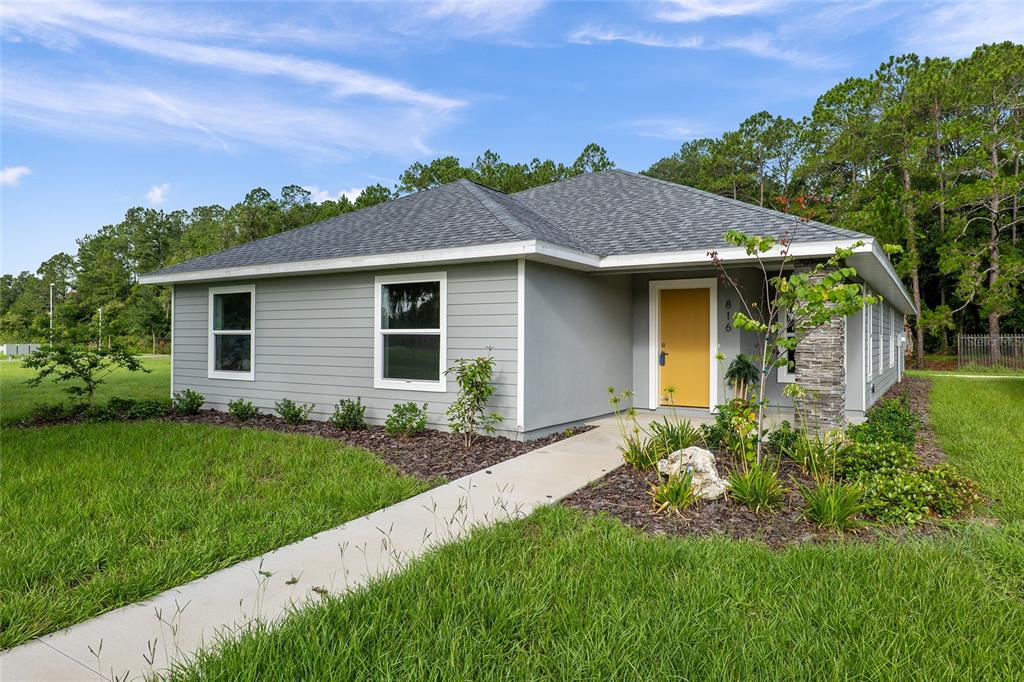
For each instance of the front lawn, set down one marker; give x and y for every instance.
(564, 595)
(96, 516)
(18, 398)
(981, 424)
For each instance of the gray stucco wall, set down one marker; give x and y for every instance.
(314, 341)
(578, 343)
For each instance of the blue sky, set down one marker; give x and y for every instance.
(171, 105)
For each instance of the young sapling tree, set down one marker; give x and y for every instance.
(81, 370)
(810, 298)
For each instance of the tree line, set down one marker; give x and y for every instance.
(96, 294)
(924, 153)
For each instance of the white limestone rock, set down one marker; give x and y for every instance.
(707, 484)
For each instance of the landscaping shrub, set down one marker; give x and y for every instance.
(675, 494)
(756, 486)
(862, 458)
(467, 415)
(833, 504)
(782, 437)
(349, 415)
(890, 420)
(952, 493)
(53, 412)
(669, 436)
(188, 401)
(292, 412)
(146, 408)
(908, 496)
(716, 434)
(243, 410)
(639, 452)
(406, 419)
(816, 454)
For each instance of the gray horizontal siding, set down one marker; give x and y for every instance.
(314, 342)
(880, 347)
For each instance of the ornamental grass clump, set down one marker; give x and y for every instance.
(833, 504)
(675, 494)
(756, 486)
(816, 454)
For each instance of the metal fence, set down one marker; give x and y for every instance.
(1006, 350)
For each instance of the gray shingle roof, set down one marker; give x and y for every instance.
(607, 213)
(619, 212)
(460, 213)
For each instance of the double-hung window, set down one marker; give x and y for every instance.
(232, 323)
(410, 338)
(787, 372)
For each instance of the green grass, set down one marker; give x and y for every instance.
(96, 516)
(564, 596)
(981, 425)
(17, 399)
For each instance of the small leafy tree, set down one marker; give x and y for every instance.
(79, 368)
(810, 298)
(467, 415)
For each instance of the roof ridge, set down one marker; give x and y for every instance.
(573, 178)
(492, 206)
(480, 191)
(743, 204)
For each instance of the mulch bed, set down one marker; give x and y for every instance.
(431, 455)
(624, 494)
(916, 390)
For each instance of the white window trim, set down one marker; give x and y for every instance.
(212, 334)
(784, 373)
(878, 337)
(654, 289)
(869, 361)
(892, 338)
(379, 381)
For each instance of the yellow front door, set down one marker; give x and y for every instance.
(684, 349)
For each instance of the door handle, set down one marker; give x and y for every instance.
(661, 358)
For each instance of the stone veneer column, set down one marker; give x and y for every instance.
(821, 372)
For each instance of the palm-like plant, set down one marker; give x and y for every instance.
(743, 374)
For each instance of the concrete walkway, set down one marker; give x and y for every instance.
(143, 639)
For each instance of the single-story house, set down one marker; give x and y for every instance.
(596, 281)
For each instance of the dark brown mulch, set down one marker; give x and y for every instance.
(917, 391)
(624, 494)
(429, 456)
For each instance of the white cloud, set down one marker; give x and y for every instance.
(157, 194)
(664, 128)
(217, 117)
(699, 10)
(758, 44)
(12, 175)
(589, 35)
(955, 28)
(474, 17)
(767, 47)
(321, 195)
(127, 30)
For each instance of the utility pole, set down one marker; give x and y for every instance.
(51, 313)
